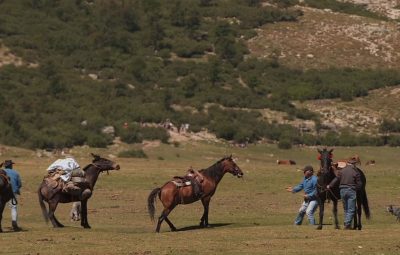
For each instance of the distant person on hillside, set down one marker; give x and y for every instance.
(16, 185)
(310, 204)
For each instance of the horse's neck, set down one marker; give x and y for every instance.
(326, 178)
(92, 174)
(214, 172)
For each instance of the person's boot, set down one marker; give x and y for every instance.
(15, 226)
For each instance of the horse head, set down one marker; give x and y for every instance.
(103, 164)
(230, 166)
(325, 157)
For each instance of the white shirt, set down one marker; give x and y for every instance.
(67, 164)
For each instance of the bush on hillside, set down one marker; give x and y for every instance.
(132, 154)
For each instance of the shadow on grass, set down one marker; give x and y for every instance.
(198, 227)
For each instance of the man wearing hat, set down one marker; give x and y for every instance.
(349, 180)
(16, 186)
(310, 204)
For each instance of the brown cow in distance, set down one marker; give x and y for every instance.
(286, 162)
(370, 162)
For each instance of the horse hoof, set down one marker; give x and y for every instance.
(319, 228)
(87, 227)
(173, 229)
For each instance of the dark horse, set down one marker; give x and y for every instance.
(6, 193)
(325, 176)
(171, 195)
(92, 172)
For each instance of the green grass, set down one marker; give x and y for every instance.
(250, 216)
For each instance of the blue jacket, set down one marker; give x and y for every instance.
(309, 186)
(15, 180)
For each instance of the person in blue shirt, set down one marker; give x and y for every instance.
(310, 204)
(16, 185)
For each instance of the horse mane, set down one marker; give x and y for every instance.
(212, 171)
(86, 167)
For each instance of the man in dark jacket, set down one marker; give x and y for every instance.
(349, 182)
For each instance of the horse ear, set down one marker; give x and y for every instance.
(330, 151)
(319, 150)
(95, 156)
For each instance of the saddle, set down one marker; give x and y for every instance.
(73, 187)
(192, 178)
(187, 180)
(4, 177)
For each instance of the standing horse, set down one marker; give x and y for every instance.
(92, 172)
(325, 176)
(6, 193)
(171, 195)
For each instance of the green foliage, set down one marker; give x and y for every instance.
(344, 7)
(136, 134)
(110, 62)
(389, 126)
(394, 140)
(132, 154)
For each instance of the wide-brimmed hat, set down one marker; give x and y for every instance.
(8, 163)
(308, 168)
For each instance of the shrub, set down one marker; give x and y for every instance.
(132, 154)
(285, 144)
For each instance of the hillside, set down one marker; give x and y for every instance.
(86, 72)
(323, 39)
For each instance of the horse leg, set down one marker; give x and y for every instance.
(84, 220)
(2, 204)
(357, 224)
(171, 226)
(163, 217)
(204, 219)
(334, 210)
(52, 217)
(321, 213)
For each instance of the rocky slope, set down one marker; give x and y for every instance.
(323, 39)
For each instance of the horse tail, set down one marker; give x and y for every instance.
(150, 202)
(364, 198)
(365, 205)
(42, 205)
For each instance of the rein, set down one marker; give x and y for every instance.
(98, 167)
(324, 189)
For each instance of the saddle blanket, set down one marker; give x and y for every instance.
(181, 183)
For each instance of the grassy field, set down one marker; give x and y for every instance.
(250, 216)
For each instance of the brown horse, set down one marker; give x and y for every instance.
(6, 193)
(171, 195)
(92, 172)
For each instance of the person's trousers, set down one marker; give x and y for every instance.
(348, 196)
(308, 208)
(13, 205)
